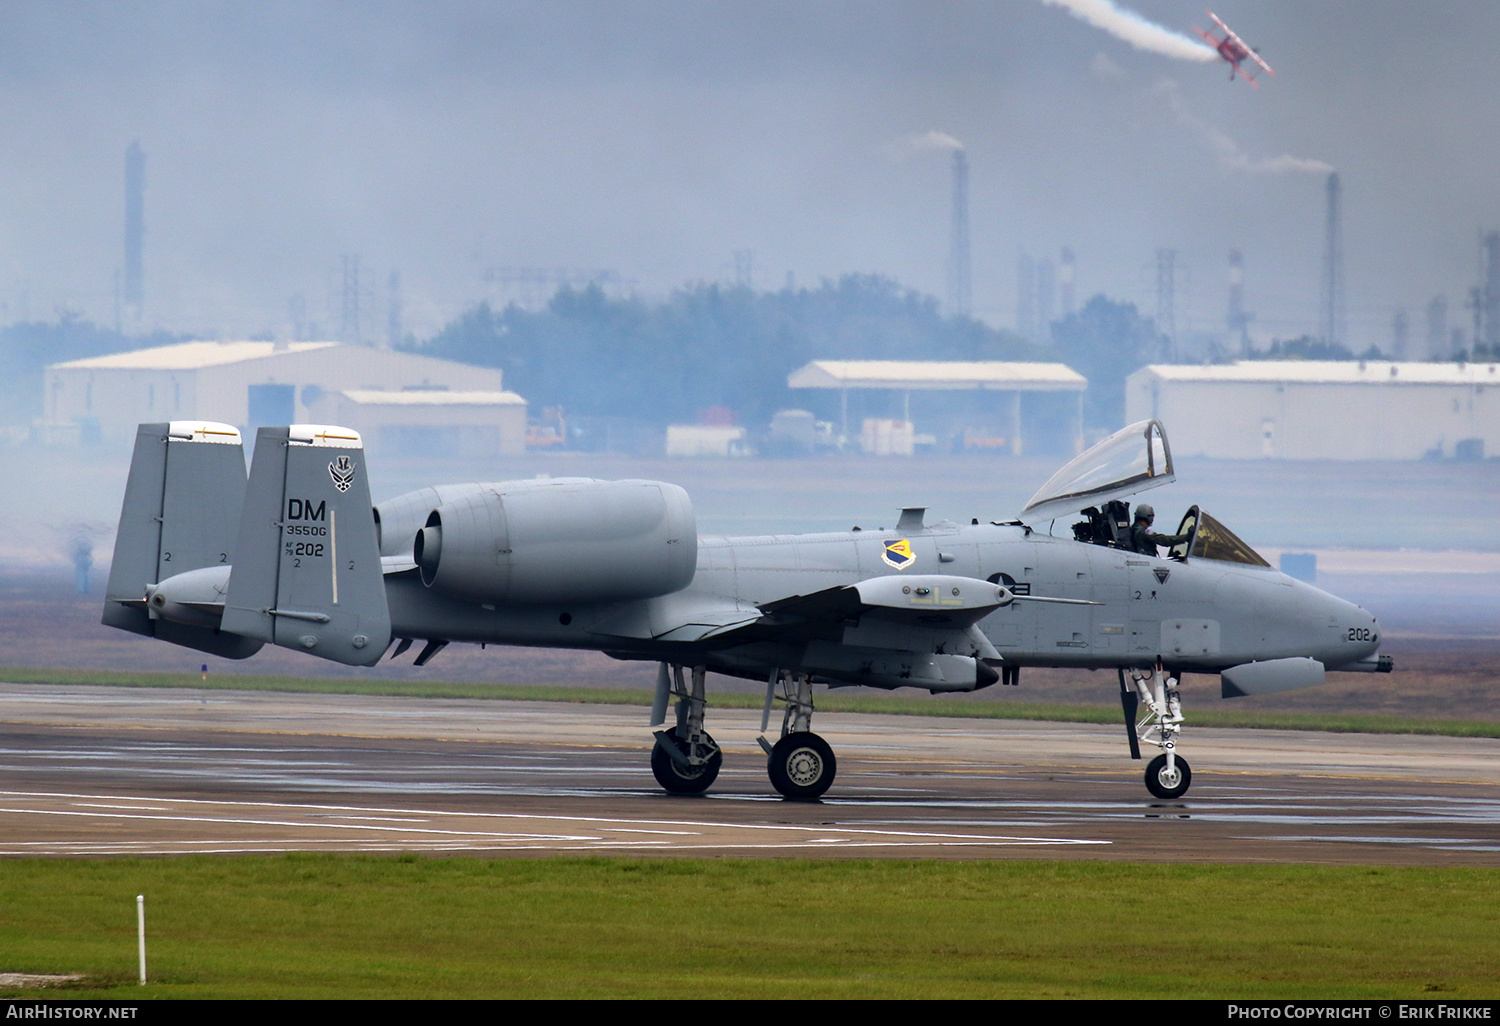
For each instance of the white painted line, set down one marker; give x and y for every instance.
(239, 821)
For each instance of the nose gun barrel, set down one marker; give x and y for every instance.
(1372, 663)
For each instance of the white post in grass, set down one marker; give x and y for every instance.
(140, 932)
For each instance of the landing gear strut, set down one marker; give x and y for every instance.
(801, 764)
(686, 760)
(1168, 776)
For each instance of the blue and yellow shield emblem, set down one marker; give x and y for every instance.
(898, 554)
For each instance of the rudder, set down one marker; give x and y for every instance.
(308, 574)
(180, 511)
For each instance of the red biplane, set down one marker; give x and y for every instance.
(1234, 50)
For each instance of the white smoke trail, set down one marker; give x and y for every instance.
(1136, 30)
(923, 142)
(1231, 157)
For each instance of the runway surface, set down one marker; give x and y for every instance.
(105, 771)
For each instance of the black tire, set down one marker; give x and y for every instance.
(679, 779)
(802, 766)
(1168, 786)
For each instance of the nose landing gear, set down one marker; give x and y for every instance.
(1168, 776)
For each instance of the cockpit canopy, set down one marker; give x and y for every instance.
(1129, 461)
(1209, 539)
(1203, 536)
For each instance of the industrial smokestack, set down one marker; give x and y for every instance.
(1490, 292)
(1046, 298)
(1400, 335)
(349, 313)
(1238, 320)
(393, 332)
(133, 287)
(1437, 328)
(1026, 297)
(959, 285)
(1166, 300)
(1333, 268)
(1065, 273)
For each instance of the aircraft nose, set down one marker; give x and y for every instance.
(1345, 633)
(1360, 638)
(1364, 630)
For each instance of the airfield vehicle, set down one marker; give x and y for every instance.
(294, 557)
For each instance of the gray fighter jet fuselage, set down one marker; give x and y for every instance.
(293, 557)
(1195, 616)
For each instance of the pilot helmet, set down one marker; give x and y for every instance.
(1145, 512)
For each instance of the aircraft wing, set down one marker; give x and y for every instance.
(932, 600)
(886, 632)
(934, 603)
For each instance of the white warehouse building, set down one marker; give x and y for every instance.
(1322, 410)
(389, 396)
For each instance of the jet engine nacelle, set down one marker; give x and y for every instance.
(560, 542)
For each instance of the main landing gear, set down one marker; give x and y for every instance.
(686, 760)
(801, 765)
(1168, 776)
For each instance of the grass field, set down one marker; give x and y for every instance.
(352, 926)
(312, 926)
(1359, 723)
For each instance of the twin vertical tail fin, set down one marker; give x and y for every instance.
(182, 505)
(307, 573)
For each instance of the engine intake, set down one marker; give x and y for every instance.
(560, 542)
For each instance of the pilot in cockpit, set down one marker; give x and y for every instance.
(1143, 539)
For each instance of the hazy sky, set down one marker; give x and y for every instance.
(657, 138)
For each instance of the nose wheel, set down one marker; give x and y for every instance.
(1168, 781)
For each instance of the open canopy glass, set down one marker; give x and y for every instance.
(1130, 460)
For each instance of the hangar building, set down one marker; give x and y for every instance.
(1052, 411)
(391, 397)
(465, 423)
(1322, 410)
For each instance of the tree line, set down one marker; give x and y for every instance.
(705, 345)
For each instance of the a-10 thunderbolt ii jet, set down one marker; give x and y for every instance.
(294, 557)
